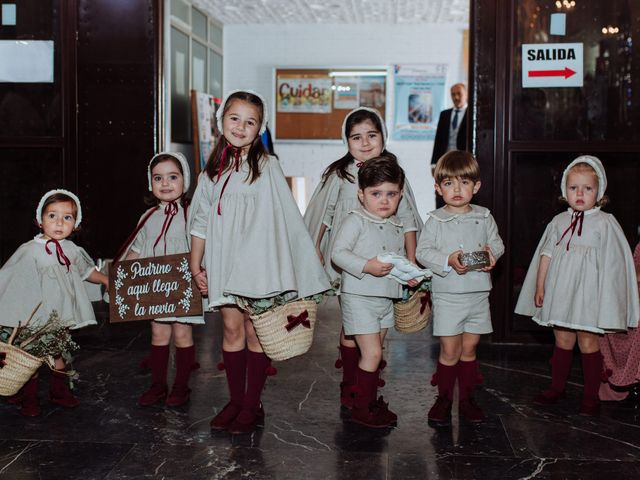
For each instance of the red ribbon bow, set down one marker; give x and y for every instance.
(235, 165)
(295, 320)
(424, 301)
(576, 222)
(62, 258)
(170, 211)
(359, 164)
(3, 358)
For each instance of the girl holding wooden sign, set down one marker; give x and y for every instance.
(248, 241)
(162, 231)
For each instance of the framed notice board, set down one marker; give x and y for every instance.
(311, 103)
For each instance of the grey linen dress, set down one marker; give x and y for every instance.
(591, 285)
(31, 276)
(258, 246)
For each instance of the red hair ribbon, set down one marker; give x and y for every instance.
(576, 222)
(170, 211)
(295, 320)
(424, 301)
(236, 166)
(62, 258)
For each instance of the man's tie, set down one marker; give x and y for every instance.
(454, 124)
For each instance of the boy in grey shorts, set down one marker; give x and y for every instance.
(366, 296)
(460, 295)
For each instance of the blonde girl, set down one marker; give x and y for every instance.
(581, 281)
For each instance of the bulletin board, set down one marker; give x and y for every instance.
(311, 103)
(204, 128)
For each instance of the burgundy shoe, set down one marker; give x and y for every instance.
(59, 391)
(225, 417)
(470, 410)
(246, 422)
(377, 415)
(548, 397)
(179, 396)
(440, 412)
(152, 396)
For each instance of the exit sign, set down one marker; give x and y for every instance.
(552, 65)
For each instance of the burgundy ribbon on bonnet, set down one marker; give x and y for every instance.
(295, 320)
(62, 258)
(576, 222)
(170, 211)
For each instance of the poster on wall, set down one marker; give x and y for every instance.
(303, 94)
(346, 93)
(419, 98)
(205, 128)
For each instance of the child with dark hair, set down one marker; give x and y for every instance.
(366, 295)
(459, 294)
(365, 134)
(162, 230)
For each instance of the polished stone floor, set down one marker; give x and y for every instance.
(109, 437)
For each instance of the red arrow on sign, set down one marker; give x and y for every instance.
(566, 73)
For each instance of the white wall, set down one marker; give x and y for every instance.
(252, 51)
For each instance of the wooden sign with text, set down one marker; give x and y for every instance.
(154, 287)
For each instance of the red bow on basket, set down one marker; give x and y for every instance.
(424, 301)
(3, 358)
(295, 320)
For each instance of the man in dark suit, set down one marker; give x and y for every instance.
(451, 133)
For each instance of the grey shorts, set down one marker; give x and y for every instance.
(361, 314)
(456, 313)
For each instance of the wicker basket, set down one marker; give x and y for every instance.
(18, 367)
(414, 314)
(286, 331)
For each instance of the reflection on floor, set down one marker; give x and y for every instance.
(109, 437)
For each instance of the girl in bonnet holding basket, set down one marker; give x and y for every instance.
(581, 281)
(50, 270)
(248, 240)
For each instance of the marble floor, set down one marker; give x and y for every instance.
(305, 437)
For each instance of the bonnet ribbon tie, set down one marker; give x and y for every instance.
(295, 320)
(424, 301)
(235, 165)
(359, 164)
(170, 211)
(576, 222)
(62, 258)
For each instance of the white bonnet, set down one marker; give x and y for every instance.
(596, 164)
(220, 111)
(53, 192)
(186, 173)
(368, 109)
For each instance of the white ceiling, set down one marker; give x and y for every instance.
(230, 12)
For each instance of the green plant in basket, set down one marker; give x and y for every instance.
(407, 291)
(258, 306)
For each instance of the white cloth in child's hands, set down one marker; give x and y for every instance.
(403, 270)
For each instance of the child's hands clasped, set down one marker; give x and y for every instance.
(201, 281)
(454, 262)
(377, 268)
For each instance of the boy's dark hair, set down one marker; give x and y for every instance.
(257, 151)
(340, 165)
(457, 164)
(380, 170)
(149, 198)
